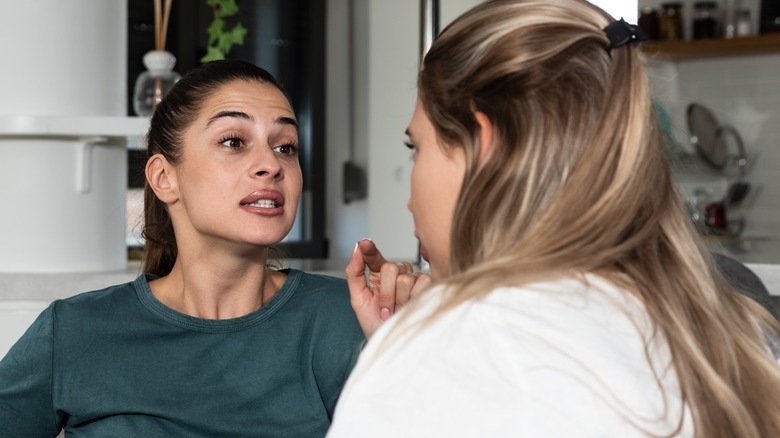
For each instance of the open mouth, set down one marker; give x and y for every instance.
(263, 199)
(261, 203)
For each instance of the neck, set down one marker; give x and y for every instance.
(217, 289)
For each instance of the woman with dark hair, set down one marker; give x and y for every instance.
(210, 341)
(572, 296)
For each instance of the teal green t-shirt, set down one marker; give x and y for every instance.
(119, 363)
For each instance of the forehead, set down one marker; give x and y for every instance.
(247, 94)
(420, 125)
(418, 118)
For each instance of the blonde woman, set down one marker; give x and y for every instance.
(571, 297)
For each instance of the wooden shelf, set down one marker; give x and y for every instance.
(713, 48)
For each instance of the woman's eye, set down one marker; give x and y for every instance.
(232, 142)
(287, 149)
(410, 145)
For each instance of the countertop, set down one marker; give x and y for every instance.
(48, 287)
(748, 250)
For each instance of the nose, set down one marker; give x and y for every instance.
(267, 164)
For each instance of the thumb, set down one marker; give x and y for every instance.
(356, 275)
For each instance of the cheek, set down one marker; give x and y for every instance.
(414, 194)
(294, 184)
(424, 204)
(295, 177)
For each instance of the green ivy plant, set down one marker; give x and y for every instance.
(222, 38)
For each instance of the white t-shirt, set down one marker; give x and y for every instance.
(564, 358)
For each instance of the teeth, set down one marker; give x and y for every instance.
(263, 203)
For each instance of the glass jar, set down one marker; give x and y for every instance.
(704, 23)
(744, 23)
(671, 25)
(648, 22)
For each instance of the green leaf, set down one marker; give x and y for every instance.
(239, 32)
(213, 54)
(228, 8)
(214, 30)
(221, 40)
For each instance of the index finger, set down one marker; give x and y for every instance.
(371, 255)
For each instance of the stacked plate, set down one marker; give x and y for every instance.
(714, 142)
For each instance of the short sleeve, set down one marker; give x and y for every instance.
(26, 407)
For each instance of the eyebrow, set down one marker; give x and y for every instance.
(233, 114)
(286, 121)
(283, 120)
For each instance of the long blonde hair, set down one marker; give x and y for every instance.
(578, 181)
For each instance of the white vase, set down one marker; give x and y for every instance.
(155, 82)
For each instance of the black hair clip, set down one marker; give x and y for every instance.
(621, 33)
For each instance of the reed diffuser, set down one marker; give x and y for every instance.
(159, 77)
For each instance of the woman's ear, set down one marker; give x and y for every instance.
(162, 178)
(485, 134)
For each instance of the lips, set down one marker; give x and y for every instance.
(264, 202)
(424, 253)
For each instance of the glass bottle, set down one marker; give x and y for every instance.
(671, 26)
(730, 19)
(704, 23)
(649, 21)
(155, 82)
(744, 23)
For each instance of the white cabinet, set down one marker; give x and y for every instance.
(63, 136)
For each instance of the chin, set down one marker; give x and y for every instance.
(435, 273)
(264, 240)
(266, 235)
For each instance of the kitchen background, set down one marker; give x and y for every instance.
(741, 86)
(372, 52)
(742, 90)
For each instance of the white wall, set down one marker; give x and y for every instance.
(626, 9)
(386, 57)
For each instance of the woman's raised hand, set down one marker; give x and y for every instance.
(386, 288)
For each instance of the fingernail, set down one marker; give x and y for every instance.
(384, 313)
(366, 238)
(355, 248)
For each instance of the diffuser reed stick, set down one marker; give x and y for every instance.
(166, 15)
(160, 32)
(161, 18)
